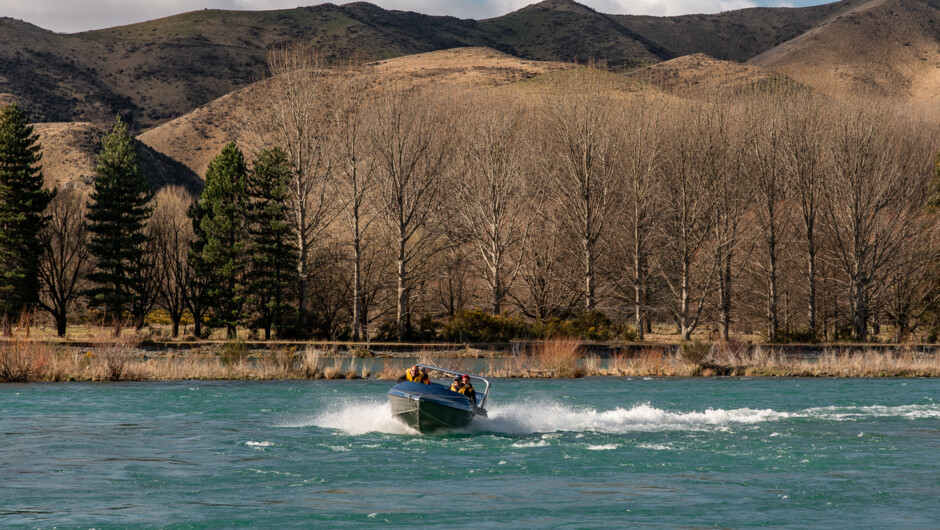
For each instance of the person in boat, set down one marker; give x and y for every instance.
(416, 374)
(463, 386)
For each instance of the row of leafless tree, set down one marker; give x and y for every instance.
(774, 209)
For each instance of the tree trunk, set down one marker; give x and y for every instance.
(61, 324)
(357, 264)
(685, 328)
(302, 268)
(588, 277)
(175, 332)
(724, 293)
(497, 296)
(859, 311)
(773, 324)
(639, 281)
(402, 294)
(811, 277)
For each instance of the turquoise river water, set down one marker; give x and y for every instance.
(587, 453)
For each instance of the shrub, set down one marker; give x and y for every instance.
(22, 360)
(588, 325)
(798, 335)
(361, 353)
(559, 357)
(477, 325)
(311, 362)
(286, 358)
(695, 352)
(233, 352)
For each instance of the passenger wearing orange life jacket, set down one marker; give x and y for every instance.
(462, 385)
(417, 374)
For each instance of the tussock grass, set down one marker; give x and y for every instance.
(121, 359)
(391, 370)
(22, 359)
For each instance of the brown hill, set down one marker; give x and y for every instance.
(566, 30)
(70, 150)
(733, 35)
(155, 71)
(883, 48)
(194, 139)
(699, 75)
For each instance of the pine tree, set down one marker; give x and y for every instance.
(219, 250)
(22, 202)
(273, 263)
(117, 215)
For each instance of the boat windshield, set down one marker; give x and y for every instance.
(436, 372)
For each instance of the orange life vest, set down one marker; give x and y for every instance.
(468, 391)
(420, 377)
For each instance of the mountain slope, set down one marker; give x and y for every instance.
(568, 31)
(71, 149)
(701, 76)
(732, 35)
(883, 48)
(155, 71)
(195, 138)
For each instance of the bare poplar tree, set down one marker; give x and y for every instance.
(583, 150)
(355, 177)
(63, 260)
(688, 214)
(412, 142)
(765, 137)
(911, 283)
(496, 202)
(296, 113)
(172, 231)
(802, 151)
(874, 191)
(547, 278)
(722, 161)
(639, 177)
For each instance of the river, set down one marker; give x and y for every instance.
(584, 453)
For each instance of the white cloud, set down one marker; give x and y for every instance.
(95, 14)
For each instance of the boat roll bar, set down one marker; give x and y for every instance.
(486, 382)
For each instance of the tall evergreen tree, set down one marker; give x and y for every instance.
(117, 215)
(219, 249)
(273, 240)
(22, 202)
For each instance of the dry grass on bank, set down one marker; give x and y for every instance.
(22, 359)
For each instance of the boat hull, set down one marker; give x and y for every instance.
(429, 408)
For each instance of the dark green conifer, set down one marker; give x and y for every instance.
(219, 249)
(273, 271)
(22, 202)
(117, 214)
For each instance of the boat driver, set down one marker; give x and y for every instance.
(417, 374)
(463, 386)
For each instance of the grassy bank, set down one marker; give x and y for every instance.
(122, 360)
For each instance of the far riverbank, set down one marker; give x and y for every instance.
(129, 359)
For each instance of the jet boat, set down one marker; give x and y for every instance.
(435, 407)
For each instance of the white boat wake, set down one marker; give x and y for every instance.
(358, 417)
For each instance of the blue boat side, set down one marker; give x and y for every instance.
(434, 393)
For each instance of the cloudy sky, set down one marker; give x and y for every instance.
(71, 16)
